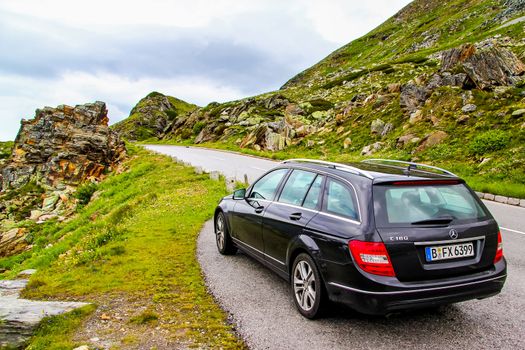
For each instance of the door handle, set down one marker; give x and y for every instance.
(296, 216)
(259, 210)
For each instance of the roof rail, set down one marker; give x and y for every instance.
(332, 165)
(409, 165)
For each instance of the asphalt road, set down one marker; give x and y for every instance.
(260, 303)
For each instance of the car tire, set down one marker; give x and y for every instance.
(222, 236)
(307, 287)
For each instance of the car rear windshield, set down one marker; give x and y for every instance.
(396, 205)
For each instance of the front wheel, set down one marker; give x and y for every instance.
(307, 286)
(222, 236)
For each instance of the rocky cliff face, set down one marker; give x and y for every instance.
(53, 153)
(63, 146)
(151, 116)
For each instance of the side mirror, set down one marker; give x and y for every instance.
(239, 194)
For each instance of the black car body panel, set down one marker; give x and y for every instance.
(274, 233)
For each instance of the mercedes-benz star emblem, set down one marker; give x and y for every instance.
(453, 234)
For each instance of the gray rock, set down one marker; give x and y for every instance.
(370, 149)
(486, 66)
(387, 129)
(21, 317)
(522, 203)
(27, 272)
(469, 108)
(412, 97)
(377, 126)
(518, 113)
(215, 175)
(480, 194)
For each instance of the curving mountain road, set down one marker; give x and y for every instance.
(261, 306)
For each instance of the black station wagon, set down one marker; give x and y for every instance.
(379, 236)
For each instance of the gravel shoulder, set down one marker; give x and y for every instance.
(260, 305)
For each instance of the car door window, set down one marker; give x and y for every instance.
(296, 187)
(339, 200)
(267, 186)
(312, 198)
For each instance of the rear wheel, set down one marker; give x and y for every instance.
(307, 287)
(222, 236)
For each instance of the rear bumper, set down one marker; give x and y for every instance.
(387, 301)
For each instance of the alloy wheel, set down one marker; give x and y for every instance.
(304, 285)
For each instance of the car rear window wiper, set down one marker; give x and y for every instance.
(441, 220)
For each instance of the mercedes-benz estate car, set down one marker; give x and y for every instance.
(379, 236)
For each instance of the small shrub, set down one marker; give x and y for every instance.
(197, 127)
(172, 114)
(85, 192)
(145, 317)
(490, 141)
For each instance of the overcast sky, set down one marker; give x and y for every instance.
(73, 52)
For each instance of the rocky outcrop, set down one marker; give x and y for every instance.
(63, 145)
(485, 64)
(53, 153)
(152, 117)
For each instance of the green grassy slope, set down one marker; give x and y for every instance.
(131, 251)
(150, 117)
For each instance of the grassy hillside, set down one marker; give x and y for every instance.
(151, 116)
(407, 90)
(131, 252)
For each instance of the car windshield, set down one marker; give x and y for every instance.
(425, 204)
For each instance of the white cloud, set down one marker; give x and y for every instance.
(27, 94)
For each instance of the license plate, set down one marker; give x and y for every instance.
(449, 251)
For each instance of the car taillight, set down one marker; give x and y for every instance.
(499, 250)
(372, 257)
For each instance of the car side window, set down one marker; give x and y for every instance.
(267, 186)
(340, 200)
(296, 187)
(312, 198)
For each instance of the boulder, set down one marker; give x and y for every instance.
(412, 97)
(486, 67)
(347, 142)
(370, 149)
(469, 108)
(13, 241)
(518, 113)
(432, 139)
(377, 126)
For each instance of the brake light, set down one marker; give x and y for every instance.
(426, 182)
(499, 250)
(372, 257)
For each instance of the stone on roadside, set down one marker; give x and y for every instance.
(489, 196)
(501, 199)
(513, 201)
(432, 140)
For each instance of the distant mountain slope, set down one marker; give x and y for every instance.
(439, 82)
(150, 117)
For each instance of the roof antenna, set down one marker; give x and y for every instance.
(409, 168)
